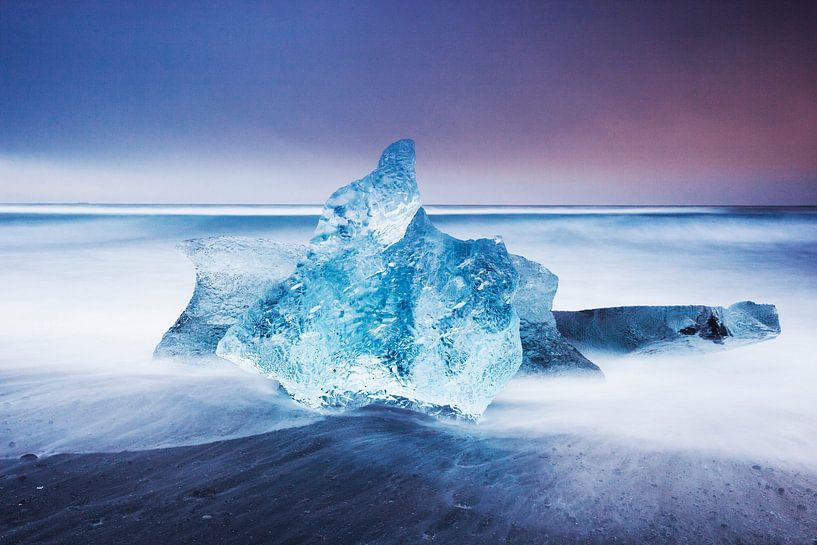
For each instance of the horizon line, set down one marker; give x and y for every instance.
(272, 210)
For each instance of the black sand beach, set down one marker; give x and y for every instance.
(390, 476)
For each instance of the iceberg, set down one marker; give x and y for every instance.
(382, 307)
(234, 272)
(654, 329)
(544, 350)
(385, 308)
(231, 274)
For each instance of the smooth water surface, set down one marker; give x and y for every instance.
(88, 290)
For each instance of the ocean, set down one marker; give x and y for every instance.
(681, 447)
(88, 290)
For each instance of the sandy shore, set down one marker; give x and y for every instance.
(388, 476)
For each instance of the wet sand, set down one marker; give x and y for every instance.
(391, 476)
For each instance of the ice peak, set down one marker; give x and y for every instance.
(398, 155)
(378, 207)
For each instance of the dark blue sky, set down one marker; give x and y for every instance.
(539, 102)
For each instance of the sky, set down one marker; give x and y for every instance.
(608, 102)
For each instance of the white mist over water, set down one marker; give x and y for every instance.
(85, 298)
(757, 401)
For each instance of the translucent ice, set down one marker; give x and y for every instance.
(386, 308)
(544, 350)
(231, 274)
(234, 272)
(654, 329)
(383, 307)
(372, 212)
